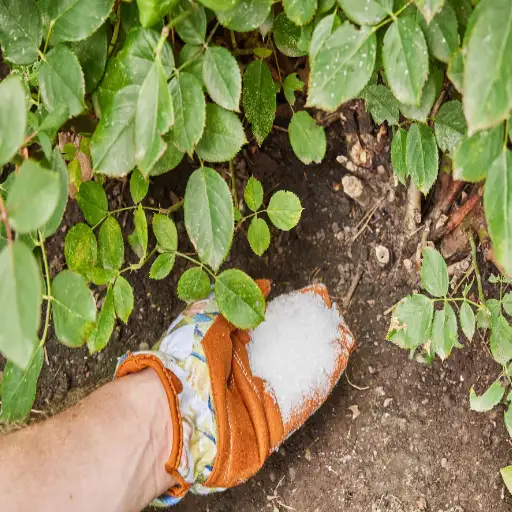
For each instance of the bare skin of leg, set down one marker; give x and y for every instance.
(107, 453)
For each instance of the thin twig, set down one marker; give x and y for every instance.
(48, 291)
(233, 182)
(359, 388)
(367, 218)
(5, 220)
(353, 285)
(481, 295)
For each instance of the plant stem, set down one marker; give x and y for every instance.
(5, 220)
(115, 35)
(196, 262)
(481, 295)
(505, 142)
(392, 17)
(233, 183)
(459, 299)
(167, 28)
(138, 266)
(277, 61)
(48, 296)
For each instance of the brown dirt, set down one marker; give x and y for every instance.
(414, 446)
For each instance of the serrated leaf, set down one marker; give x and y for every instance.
(284, 210)
(194, 285)
(489, 399)
(165, 232)
(398, 155)
(498, 208)
(253, 194)
(239, 299)
(21, 30)
(138, 240)
(307, 138)
(421, 156)
(300, 12)
(455, 70)
(222, 78)
(111, 244)
(92, 55)
(263, 53)
(112, 145)
(321, 33)
(162, 266)
(267, 25)
(246, 15)
(381, 103)
(123, 299)
(80, 248)
(434, 273)
(506, 475)
(219, 5)
(18, 388)
(13, 116)
(33, 197)
(192, 29)
(259, 99)
(189, 111)
(61, 81)
(342, 67)
(291, 39)
(93, 202)
(291, 84)
(97, 275)
(428, 96)
(487, 73)
(444, 332)
(405, 58)
(169, 160)
(507, 417)
(415, 313)
(325, 5)
(74, 309)
(152, 11)
(20, 296)
(139, 186)
(507, 303)
(467, 320)
(368, 12)
(500, 342)
(106, 320)
(209, 217)
(193, 56)
(429, 8)
(450, 126)
(475, 155)
(223, 135)
(258, 235)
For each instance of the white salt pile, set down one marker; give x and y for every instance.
(296, 348)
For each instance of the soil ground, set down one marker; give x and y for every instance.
(404, 439)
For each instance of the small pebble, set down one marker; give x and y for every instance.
(144, 346)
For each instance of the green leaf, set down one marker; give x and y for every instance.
(322, 31)
(139, 186)
(92, 55)
(253, 194)
(259, 99)
(489, 399)
(291, 39)
(507, 417)
(222, 78)
(61, 81)
(487, 73)
(434, 273)
(428, 96)
(219, 5)
(33, 197)
(284, 210)
(307, 138)
(18, 388)
(112, 145)
(342, 67)
(455, 70)
(97, 275)
(123, 299)
(209, 217)
(74, 309)
(192, 29)
(421, 156)
(482, 319)
(258, 235)
(398, 155)
(239, 299)
(506, 475)
(189, 111)
(162, 266)
(194, 285)
(475, 155)
(405, 58)
(153, 118)
(169, 160)
(21, 30)
(165, 232)
(444, 332)
(381, 103)
(13, 117)
(429, 8)
(442, 33)
(368, 12)
(152, 11)
(507, 303)
(93, 202)
(498, 208)
(325, 5)
(246, 15)
(500, 342)
(300, 12)
(111, 244)
(415, 313)
(138, 240)
(467, 320)
(194, 57)
(80, 248)
(290, 85)
(106, 320)
(450, 126)
(20, 296)
(223, 135)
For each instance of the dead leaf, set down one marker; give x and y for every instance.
(355, 411)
